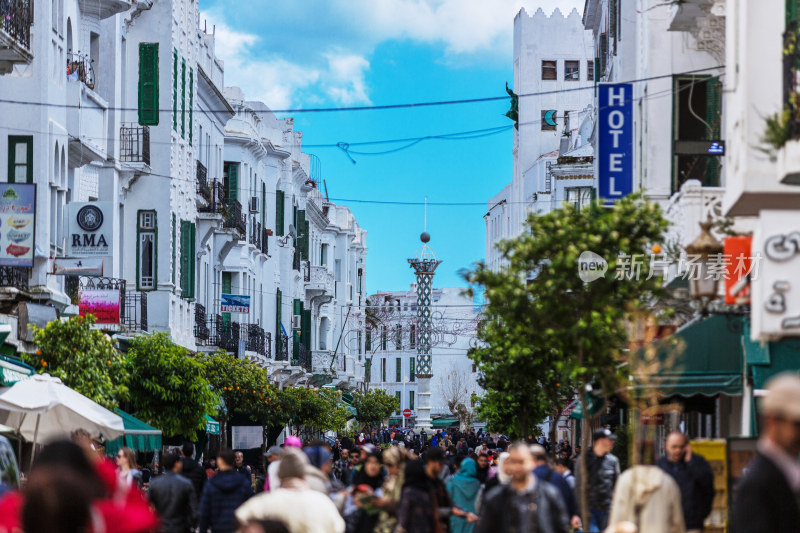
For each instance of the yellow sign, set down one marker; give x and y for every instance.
(713, 450)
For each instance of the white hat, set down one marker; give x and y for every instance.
(783, 396)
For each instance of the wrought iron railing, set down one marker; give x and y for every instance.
(79, 67)
(255, 338)
(307, 271)
(255, 233)
(264, 242)
(216, 201)
(133, 314)
(202, 182)
(133, 304)
(235, 218)
(791, 77)
(201, 329)
(16, 277)
(16, 19)
(304, 357)
(134, 143)
(282, 347)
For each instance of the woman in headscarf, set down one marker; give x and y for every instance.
(394, 459)
(464, 489)
(419, 510)
(367, 484)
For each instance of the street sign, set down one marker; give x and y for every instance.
(407, 413)
(235, 303)
(615, 141)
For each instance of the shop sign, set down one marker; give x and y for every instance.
(17, 224)
(102, 303)
(90, 227)
(615, 141)
(235, 303)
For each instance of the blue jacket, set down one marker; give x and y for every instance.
(222, 495)
(549, 475)
(696, 481)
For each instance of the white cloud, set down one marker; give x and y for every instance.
(346, 78)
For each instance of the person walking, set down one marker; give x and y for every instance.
(240, 467)
(127, 470)
(173, 498)
(542, 470)
(526, 504)
(464, 490)
(394, 460)
(274, 454)
(603, 472)
(192, 469)
(301, 509)
(564, 467)
(649, 498)
(694, 477)
(222, 495)
(767, 496)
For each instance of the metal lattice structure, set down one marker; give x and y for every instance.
(424, 265)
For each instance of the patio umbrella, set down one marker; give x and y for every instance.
(43, 408)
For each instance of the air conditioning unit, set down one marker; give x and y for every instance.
(254, 204)
(296, 321)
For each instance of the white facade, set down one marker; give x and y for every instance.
(391, 348)
(553, 67)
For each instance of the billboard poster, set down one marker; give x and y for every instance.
(17, 224)
(102, 303)
(614, 141)
(91, 229)
(235, 303)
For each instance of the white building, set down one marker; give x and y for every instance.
(391, 348)
(553, 76)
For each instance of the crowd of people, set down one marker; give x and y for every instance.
(394, 481)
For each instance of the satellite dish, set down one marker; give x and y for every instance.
(585, 129)
(292, 231)
(550, 117)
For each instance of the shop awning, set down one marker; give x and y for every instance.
(444, 422)
(704, 358)
(12, 371)
(212, 426)
(138, 436)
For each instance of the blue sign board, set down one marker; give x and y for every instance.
(615, 141)
(235, 303)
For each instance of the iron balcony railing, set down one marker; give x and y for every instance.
(307, 271)
(282, 347)
(304, 357)
(256, 338)
(201, 327)
(216, 201)
(16, 277)
(202, 182)
(133, 304)
(79, 67)
(264, 242)
(791, 77)
(255, 233)
(228, 335)
(16, 19)
(235, 217)
(133, 314)
(134, 143)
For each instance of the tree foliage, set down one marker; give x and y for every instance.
(374, 406)
(168, 387)
(319, 409)
(85, 359)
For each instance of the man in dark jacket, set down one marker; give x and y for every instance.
(173, 498)
(603, 468)
(694, 477)
(542, 470)
(768, 494)
(222, 495)
(192, 469)
(527, 504)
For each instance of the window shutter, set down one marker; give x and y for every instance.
(191, 103)
(302, 235)
(183, 98)
(279, 212)
(603, 53)
(232, 182)
(792, 11)
(278, 332)
(412, 371)
(306, 324)
(175, 89)
(174, 248)
(186, 233)
(227, 283)
(148, 84)
(26, 158)
(612, 23)
(398, 370)
(263, 205)
(307, 239)
(714, 119)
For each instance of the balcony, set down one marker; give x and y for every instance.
(264, 242)
(256, 232)
(86, 118)
(14, 277)
(134, 143)
(256, 339)
(235, 217)
(79, 68)
(103, 9)
(304, 358)
(133, 304)
(133, 312)
(282, 347)
(203, 189)
(16, 17)
(321, 281)
(216, 202)
(201, 326)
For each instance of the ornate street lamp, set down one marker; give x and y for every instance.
(703, 284)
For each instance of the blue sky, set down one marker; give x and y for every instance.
(336, 53)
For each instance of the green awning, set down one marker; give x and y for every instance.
(212, 426)
(594, 402)
(13, 370)
(138, 436)
(704, 357)
(444, 422)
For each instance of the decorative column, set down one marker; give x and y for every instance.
(424, 265)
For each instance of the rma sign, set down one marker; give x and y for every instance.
(615, 141)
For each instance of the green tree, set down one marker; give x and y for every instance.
(168, 388)
(85, 359)
(374, 406)
(316, 409)
(581, 324)
(240, 383)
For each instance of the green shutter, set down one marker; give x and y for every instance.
(148, 84)
(306, 325)
(231, 181)
(368, 370)
(411, 364)
(227, 283)
(612, 23)
(175, 89)
(279, 212)
(302, 235)
(399, 401)
(792, 11)
(603, 53)
(368, 340)
(174, 249)
(411, 400)
(714, 119)
(183, 97)
(263, 205)
(398, 370)
(187, 258)
(278, 333)
(13, 141)
(191, 104)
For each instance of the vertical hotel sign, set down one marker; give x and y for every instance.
(17, 224)
(615, 141)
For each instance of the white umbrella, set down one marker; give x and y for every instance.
(43, 408)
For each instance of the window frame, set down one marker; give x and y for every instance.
(143, 230)
(13, 141)
(549, 65)
(575, 68)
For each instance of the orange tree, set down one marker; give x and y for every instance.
(85, 359)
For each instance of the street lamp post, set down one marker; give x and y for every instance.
(405, 380)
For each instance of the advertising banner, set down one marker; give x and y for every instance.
(235, 303)
(102, 303)
(17, 224)
(615, 141)
(90, 226)
(63, 266)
